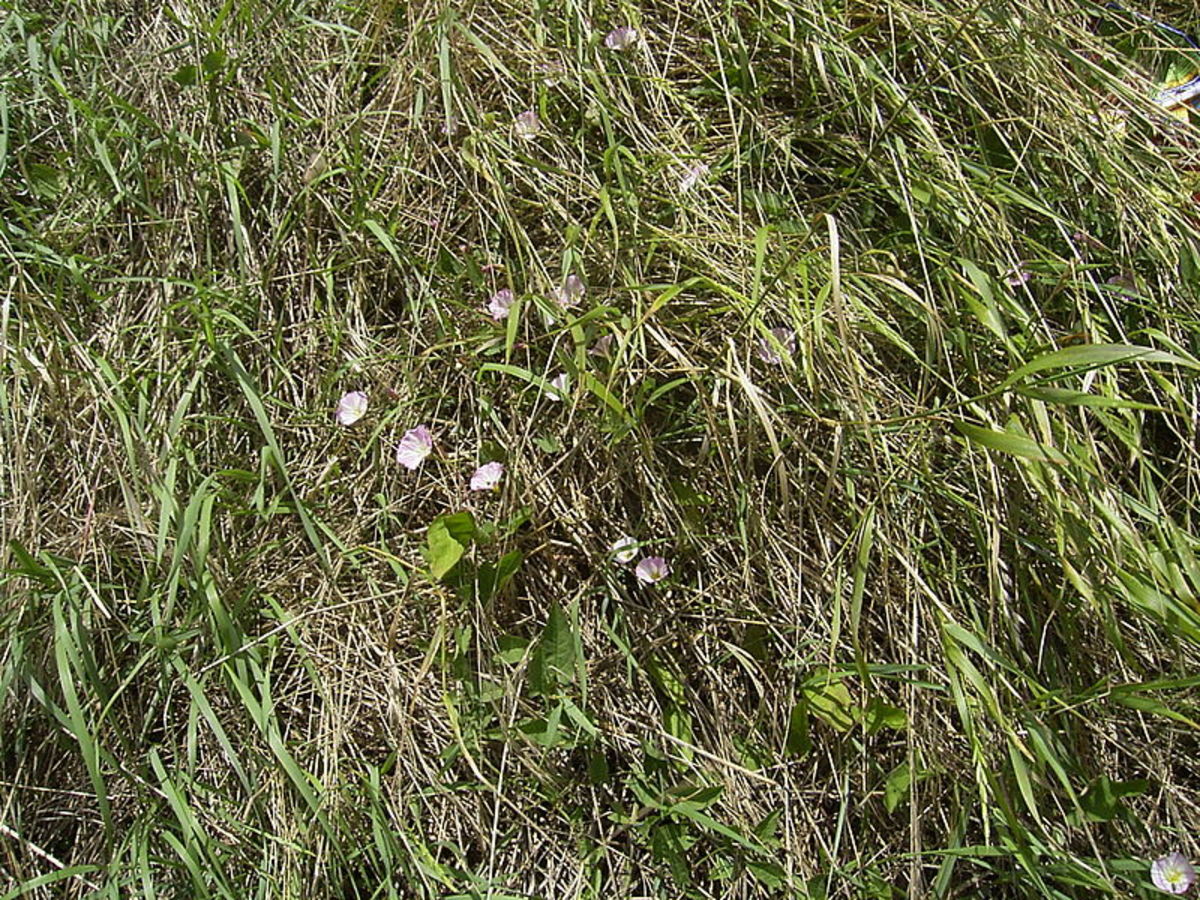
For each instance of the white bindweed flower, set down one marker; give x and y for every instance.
(500, 304)
(652, 569)
(416, 444)
(624, 549)
(527, 124)
(487, 476)
(351, 408)
(692, 177)
(1173, 873)
(621, 38)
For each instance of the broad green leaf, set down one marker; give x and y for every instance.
(880, 715)
(445, 546)
(554, 658)
(768, 873)
(580, 718)
(798, 742)
(984, 309)
(597, 767)
(512, 649)
(491, 578)
(461, 526)
(895, 788)
(704, 820)
(547, 731)
(666, 681)
(1013, 444)
(678, 724)
(1102, 800)
(829, 700)
(385, 239)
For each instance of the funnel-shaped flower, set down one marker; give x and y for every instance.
(786, 339)
(624, 549)
(602, 347)
(527, 124)
(692, 177)
(1017, 275)
(351, 408)
(500, 304)
(621, 38)
(487, 476)
(416, 444)
(1173, 873)
(559, 385)
(571, 292)
(652, 569)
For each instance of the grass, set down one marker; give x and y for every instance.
(932, 626)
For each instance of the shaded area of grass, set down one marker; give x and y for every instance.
(932, 625)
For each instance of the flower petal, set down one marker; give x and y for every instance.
(692, 177)
(487, 476)
(621, 38)
(1173, 873)
(571, 292)
(559, 385)
(602, 346)
(652, 569)
(351, 408)
(416, 444)
(527, 124)
(500, 304)
(766, 350)
(624, 549)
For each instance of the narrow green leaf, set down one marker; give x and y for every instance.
(385, 239)
(1064, 397)
(1091, 356)
(1013, 444)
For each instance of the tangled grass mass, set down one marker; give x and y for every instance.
(730, 449)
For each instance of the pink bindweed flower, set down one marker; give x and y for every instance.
(351, 408)
(500, 304)
(692, 177)
(652, 569)
(527, 124)
(571, 292)
(559, 383)
(602, 346)
(487, 476)
(786, 338)
(1017, 276)
(621, 38)
(416, 444)
(1173, 873)
(624, 549)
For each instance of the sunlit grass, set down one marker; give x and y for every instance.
(580, 451)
